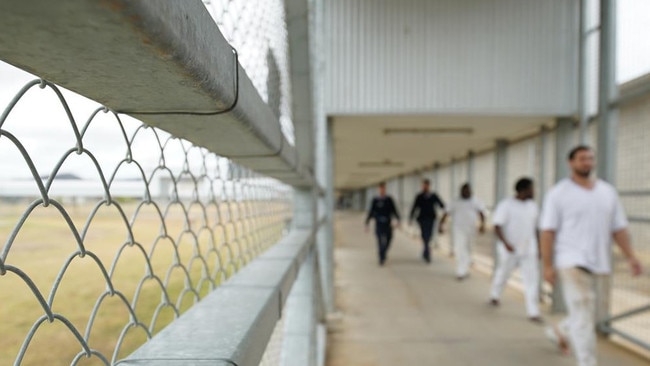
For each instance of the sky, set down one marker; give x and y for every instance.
(41, 124)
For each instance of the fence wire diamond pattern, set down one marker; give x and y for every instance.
(91, 268)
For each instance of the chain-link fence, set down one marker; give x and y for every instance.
(111, 229)
(257, 30)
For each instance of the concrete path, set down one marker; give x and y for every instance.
(411, 313)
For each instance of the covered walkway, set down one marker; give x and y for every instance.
(410, 313)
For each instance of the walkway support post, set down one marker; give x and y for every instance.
(564, 141)
(607, 124)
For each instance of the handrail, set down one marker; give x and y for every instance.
(233, 324)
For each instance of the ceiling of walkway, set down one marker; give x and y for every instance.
(368, 149)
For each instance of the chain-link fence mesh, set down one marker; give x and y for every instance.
(110, 229)
(257, 30)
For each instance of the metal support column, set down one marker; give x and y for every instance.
(436, 177)
(453, 190)
(470, 167)
(501, 170)
(500, 175)
(607, 121)
(401, 202)
(564, 141)
(542, 174)
(582, 75)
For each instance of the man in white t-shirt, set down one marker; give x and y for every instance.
(515, 224)
(464, 212)
(580, 217)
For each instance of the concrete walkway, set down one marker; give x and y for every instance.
(411, 313)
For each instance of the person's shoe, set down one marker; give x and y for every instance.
(536, 319)
(555, 336)
(426, 257)
(495, 302)
(461, 278)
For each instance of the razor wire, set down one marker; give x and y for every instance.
(141, 238)
(258, 31)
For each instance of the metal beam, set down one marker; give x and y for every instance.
(163, 62)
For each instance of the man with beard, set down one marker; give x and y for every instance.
(579, 218)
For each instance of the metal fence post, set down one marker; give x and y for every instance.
(501, 174)
(607, 123)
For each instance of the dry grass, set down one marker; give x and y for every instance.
(44, 244)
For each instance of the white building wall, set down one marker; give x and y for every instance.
(450, 56)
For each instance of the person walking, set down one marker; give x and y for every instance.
(463, 211)
(425, 206)
(382, 210)
(580, 217)
(515, 224)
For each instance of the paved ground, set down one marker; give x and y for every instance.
(411, 313)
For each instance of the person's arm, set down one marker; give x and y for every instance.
(546, 242)
(395, 213)
(416, 205)
(371, 212)
(499, 232)
(539, 240)
(441, 229)
(622, 239)
(439, 202)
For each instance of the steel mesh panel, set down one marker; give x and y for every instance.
(257, 30)
(110, 229)
(633, 182)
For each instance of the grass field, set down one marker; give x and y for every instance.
(45, 243)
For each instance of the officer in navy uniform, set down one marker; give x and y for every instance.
(425, 204)
(382, 210)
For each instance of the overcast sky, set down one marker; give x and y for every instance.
(53, 134)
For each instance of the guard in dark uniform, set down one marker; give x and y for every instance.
(425, 205)
(382, 210)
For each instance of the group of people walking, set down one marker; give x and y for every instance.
(571, 236)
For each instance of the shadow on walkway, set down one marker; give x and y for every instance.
(411, 313)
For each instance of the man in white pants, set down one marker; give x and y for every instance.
(580, 217)
(515, 224)
(464, 212)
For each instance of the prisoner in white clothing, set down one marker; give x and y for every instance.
(583, 220)
(517, 219)
(464, 213)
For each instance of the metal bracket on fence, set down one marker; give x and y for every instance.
(606, 327)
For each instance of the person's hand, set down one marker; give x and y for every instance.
(481, 229)
(550, 275)
(635, 266)
(509, 247)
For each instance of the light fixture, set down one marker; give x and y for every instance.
(429, 130)
(380, 164)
